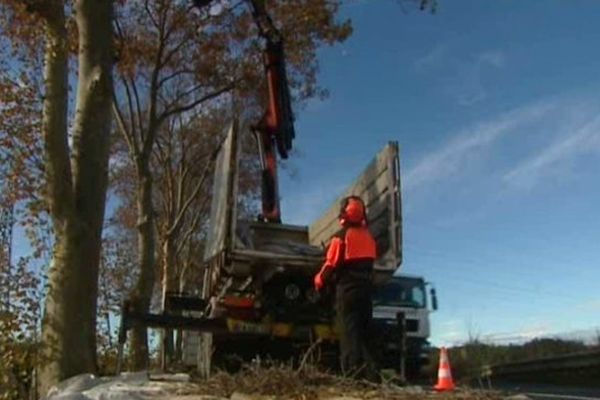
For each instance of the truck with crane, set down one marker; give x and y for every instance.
(256, 293)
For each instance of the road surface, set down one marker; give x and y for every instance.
(550, 392)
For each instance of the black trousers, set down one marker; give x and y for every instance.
(354, 311)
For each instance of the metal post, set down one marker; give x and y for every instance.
(122, 335)
(402, 344)
(119, 359)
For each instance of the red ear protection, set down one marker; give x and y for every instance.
(352, 210)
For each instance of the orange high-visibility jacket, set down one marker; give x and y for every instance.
(353, 247)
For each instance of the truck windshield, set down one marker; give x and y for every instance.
(406, 292)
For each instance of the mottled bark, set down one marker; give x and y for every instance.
(169, 284)
(142, 295)
(76, 187)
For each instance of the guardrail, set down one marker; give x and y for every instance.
(574, 361)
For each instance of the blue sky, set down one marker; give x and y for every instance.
(496, 109)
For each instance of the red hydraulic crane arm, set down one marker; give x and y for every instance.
(276, 127)
(275, 130)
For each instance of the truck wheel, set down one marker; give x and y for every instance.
(205, 353)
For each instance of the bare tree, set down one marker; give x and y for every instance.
(157, 84)
(75, 176)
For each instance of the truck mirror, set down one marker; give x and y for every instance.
(434, 303)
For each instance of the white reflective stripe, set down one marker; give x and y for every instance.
(444, 373)
(444, 358)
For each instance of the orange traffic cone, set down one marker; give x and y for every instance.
(444, 375)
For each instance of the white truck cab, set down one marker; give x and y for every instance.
(406, 297)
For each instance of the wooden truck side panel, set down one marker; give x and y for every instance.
(221, 229)
(379, 187)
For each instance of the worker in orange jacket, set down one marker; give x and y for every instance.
(349, 266)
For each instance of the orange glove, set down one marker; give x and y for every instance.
(318, 281)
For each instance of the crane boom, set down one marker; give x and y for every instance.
(276, 127)
(274, 132)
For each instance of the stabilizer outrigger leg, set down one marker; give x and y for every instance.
(131, 318)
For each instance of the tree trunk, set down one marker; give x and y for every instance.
(168, 285)
(142, 295)
(76, 188)
(91, 145)
(181, 284)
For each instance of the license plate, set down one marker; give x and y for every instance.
(246, 327)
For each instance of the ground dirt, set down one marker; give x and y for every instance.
(283, 383)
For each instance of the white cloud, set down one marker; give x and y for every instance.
(495, 58)
(432, 59)
(448, 159)
(470, 93)
(451, 324)
(461, 76)
(449, 332)
(450, 338)
(577, 140)
(522, 335)
(590, 305)
(467, 85)
(535, 331)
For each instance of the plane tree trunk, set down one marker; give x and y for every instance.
(76, 185)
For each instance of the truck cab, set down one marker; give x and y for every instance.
(403, 297)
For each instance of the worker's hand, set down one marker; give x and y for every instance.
(318, 281)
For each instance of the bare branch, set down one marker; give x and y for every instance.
(174, 51)
(121, 124)
(177, 110)
(138, 109)
(182, 168)
(175, 24)
(196, 190)
(129, 134)
(26, 155)
(150, 15)
(132, 114)
(174, 75)
(170, 178)
(164, 12)
(119, 29)
(154, 123)
(189, 232)
(160, 153)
